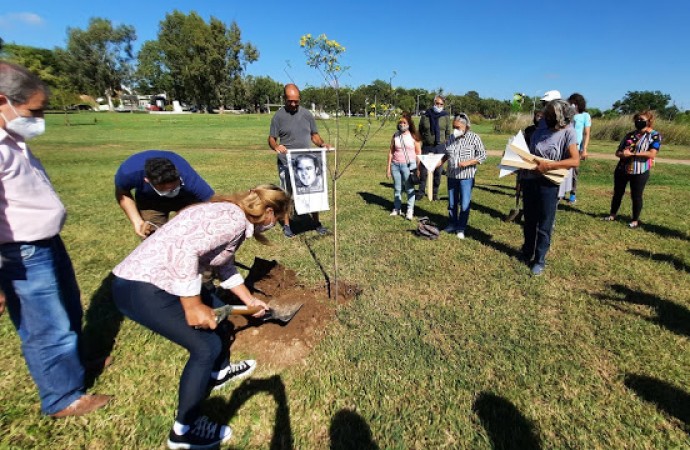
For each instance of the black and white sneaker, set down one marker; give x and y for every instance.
(236, 372)
(204, 434)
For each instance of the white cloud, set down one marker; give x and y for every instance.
(19, 19)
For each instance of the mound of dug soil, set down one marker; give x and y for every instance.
(281, 345)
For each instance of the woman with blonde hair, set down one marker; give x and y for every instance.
(159, 285)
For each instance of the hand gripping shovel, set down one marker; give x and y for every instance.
(281, 316)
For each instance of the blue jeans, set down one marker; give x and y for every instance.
(459, 197)
(162, 313)
(401, 175)
(43, 302)
(540, 201)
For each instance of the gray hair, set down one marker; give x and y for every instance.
(564, 113)
(18, 84)
(464, 118)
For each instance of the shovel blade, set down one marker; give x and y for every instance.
(281, 315)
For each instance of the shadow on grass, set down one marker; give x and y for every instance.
(224, 410)
(508, 191)
(666, 397)
(349, 431)
(302, 223)
(102, 324)
(673, 317)
(386, 184)
(659, 230)
(662, 257)
(493, 213)
(504, 423)
(326, 278)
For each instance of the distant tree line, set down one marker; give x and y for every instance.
(204, 64)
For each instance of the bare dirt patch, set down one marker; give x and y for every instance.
(279, 345)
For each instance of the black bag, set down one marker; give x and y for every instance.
(427, 229)
(414, 178)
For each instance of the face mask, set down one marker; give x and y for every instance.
(438, 109)
(26, 127)
(168, 194)
(457, 133)
(403, 128)
(640, 124)
(264, 228)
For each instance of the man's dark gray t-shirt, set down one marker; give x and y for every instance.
(293, 130)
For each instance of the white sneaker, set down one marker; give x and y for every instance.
(395, 212)
(460, 235)
(409, 215)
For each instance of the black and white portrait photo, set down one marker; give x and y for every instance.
(308, 173)
(308, 178)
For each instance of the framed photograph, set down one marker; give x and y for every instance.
(308, 179)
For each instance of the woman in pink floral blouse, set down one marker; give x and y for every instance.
(159, 285)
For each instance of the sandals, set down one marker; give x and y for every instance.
(608, 218)
(634, 224)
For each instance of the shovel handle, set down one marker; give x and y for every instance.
(223, 312)
(244, 310)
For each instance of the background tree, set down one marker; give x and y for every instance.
(45, 64)
(196, 62)
(635, 101)
(98, 59)
(263, 90)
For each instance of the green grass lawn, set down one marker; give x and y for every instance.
(451, 343)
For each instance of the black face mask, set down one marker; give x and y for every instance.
(640, 124)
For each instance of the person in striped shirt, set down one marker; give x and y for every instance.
(464, 152)
(636, 151)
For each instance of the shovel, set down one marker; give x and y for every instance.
(282, 316)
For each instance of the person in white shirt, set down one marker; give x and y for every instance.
(37, 281)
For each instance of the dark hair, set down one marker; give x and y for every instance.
(410, 123)
(313, 158)
(579, 101)
(160, 170)
(18, 84)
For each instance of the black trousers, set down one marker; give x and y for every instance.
(163, 314)
(637, 185)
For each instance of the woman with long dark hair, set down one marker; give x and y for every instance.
(405, 148)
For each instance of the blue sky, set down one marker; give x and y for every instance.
(601, 49)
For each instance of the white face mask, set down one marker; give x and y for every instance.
(172, 193)
(457, 133)
(264, 228)
(26, 127)
(438, 109)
